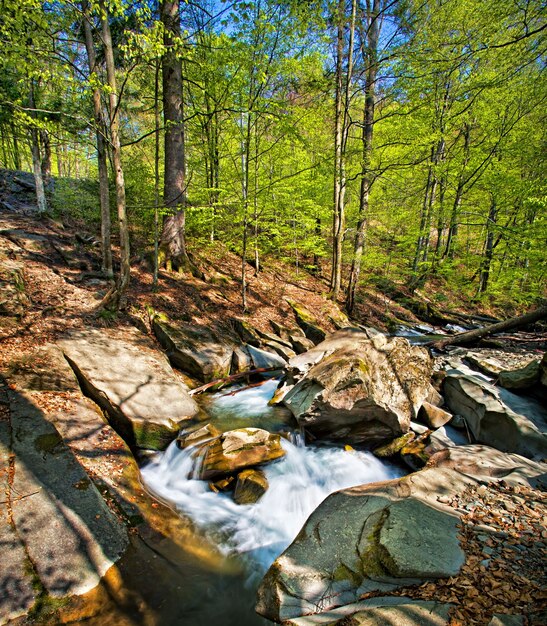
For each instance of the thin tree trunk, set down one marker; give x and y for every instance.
(488, 247)
(245, 148)
(100, 134)
(372, 36)
(173, 238)
(36, 161)
(473, 336)
(455, 215)
(16, 155)
(338, 209)
(156, 172)
(114, 299)
(46, 156)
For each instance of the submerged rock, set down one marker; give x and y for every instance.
(239, 449)
(251, 485)
(356, 389)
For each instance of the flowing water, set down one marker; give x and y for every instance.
(256, 534)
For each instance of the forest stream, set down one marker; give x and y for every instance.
(252, 536)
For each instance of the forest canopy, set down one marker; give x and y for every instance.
(362, 140)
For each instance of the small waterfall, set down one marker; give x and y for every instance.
(298, 483)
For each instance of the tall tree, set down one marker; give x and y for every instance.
(369, 47)
(114, 299)
(173, 238)
(100, 134)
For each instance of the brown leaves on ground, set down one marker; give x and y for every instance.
(504, 537)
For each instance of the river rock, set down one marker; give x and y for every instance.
(241, 360)
(380, 611)
(197, 435)
(307, 323)
(251, 485)
(247, 332)
(263, 359)
(356, 389)
(132, 382)
(382, 536)
(491, 420)
(239, 449)
(433, 416)
(522, 378)
(194, 349)
(391, 448)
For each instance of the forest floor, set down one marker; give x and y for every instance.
(50, 284)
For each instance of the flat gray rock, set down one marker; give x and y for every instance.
(382, 536)
(16, 592)
(497, 417)
(133, 382)
(68, 532)
(392, 610)
(420, 541)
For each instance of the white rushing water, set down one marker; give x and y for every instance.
(298, 483)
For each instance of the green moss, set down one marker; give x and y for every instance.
(343, 572)
(48, 443)
(373, 559)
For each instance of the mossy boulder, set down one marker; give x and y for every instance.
(357, 389)
(237, 450)
(251, 485)
(307, 323)
(194, 349)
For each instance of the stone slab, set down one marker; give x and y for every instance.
(69, 533)
(133, 382)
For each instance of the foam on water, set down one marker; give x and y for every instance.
(297, 485)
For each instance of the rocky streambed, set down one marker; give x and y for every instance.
(367, 406)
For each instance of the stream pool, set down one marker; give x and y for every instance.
(254, 535)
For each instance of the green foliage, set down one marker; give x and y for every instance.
(458, 156)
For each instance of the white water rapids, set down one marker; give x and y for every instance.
(298, 483)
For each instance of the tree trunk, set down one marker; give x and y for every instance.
(455, 215)
(36, 161)
(16, 155)
(156, 172)
(100, 133)
(339, 184)
(488, 247)
(245, 149)
(114, 299)
(373, 32)
(173, 241)
(46, 156)
(473, 336)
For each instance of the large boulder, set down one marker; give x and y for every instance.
(357, 389)
(194, 349)
(492, 420)
(132, 382)
(382, 536)
(238, 449)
